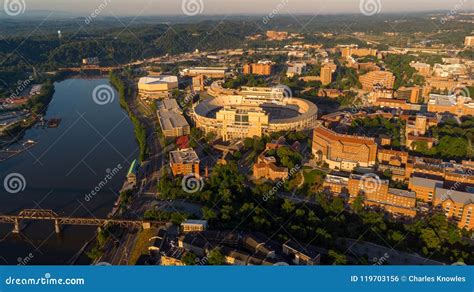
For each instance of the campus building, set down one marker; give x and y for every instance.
(326, 75)
(277, 35)
(422, 68)
(469, 41)
(410, 94)
(266, 167)
(371, 80)
(184, 162)
(457, 205)
(344, 152)
(210, 72)
(263, 68)
(424, 188)
(456, 105)
(356, 51)
(375, 193)
(153, 87)
(171, 119)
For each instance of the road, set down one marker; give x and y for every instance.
(118, 248)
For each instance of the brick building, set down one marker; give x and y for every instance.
(457, 205)
(374, 79)
(266, 168)
(343, 152)
(184, 162)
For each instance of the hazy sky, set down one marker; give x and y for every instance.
(161, 7)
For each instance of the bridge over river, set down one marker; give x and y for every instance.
(49, 215)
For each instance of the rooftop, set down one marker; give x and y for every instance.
(158, 79)
(425, 182)
(456, 196)
(184, 156)
(402, 193)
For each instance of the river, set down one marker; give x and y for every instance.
(95, 138)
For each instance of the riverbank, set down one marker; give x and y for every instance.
(140, 130)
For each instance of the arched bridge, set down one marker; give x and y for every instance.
(50, 215)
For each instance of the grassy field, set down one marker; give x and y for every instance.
(141, 245)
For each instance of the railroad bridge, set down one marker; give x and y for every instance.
(50, 215)
(89, 68)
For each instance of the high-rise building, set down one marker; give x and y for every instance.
(261, 68)
(469, 41)
(326, 75)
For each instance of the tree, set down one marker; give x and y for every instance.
(215, 258)
(430, 239)
(189, 259)
(337, 258)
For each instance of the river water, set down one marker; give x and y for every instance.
(93, 141)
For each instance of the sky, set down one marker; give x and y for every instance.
(209, 7)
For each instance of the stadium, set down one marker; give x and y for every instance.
(252, 111)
